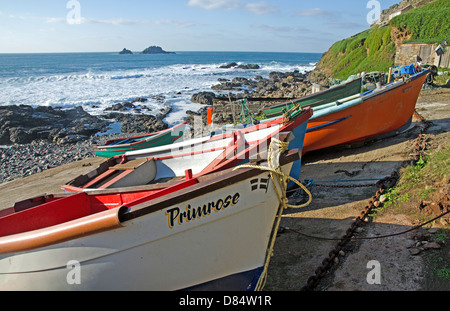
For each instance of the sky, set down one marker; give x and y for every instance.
(46, 26)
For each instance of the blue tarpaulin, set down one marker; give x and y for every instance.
(410, 69)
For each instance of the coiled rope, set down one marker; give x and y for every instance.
(280, 181)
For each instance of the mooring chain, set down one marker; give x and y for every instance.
(383, 185)
(345, 186)
(329, 261)
(420, 147)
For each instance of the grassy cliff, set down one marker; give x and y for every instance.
(374, 49)
(428, 24)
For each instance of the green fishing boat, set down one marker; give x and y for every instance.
(119, 146)
(330, 95)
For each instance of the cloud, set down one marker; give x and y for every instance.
(215, 4)
(316, 12)
(122, 22)
(22, 17)
(55, 20)
(279, 29)
(259, 8)
(182, 24)
(83, 20)
(345, 25)
(116, 21)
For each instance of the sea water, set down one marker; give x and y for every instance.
(96, 81)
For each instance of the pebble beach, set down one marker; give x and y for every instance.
(19, 161)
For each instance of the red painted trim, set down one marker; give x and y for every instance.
(48, 214)
(76, 206)
(190, 153)
(163, 192)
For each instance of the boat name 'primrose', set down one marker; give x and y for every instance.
(175, 215)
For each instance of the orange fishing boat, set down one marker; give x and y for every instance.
(363, 116)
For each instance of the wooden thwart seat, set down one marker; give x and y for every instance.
(116, 175)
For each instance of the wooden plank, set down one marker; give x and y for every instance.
(129, 165)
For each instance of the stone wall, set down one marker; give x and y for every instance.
(407, 54)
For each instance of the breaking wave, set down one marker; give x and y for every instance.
(97, 89)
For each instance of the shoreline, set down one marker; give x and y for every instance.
(33, 140)
(51, 144)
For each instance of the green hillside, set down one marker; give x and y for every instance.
(429, 24)
(374, 49)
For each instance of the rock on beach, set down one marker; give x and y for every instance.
(24, 124)
(278, 87)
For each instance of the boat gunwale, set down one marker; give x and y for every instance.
(364, 98)
(394, 85)
(133, 144)
(324, 92)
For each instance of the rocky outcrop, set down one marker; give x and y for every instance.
(138, 123)
(205, 98)
(24, 124)
(135, 118)
(125, 51)
(278, 85)
(235, 65)
(155, 50)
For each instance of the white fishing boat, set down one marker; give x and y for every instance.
(212, 232)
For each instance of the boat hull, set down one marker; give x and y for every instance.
(316, 99)
(157, 248)
(121, 146)
(372, 115)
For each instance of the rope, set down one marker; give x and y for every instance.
(245, 116)
(280, 181)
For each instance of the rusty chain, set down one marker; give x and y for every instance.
(382, 185)
(345, 186)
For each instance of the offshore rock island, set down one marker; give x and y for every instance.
(125, 51)
(155, 50)
(149, 50)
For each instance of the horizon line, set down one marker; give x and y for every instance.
(180, 51)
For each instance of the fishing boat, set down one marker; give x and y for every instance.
(119, 146)
(382, 111)
(202, 156)
(313, 100)
(212, 232)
